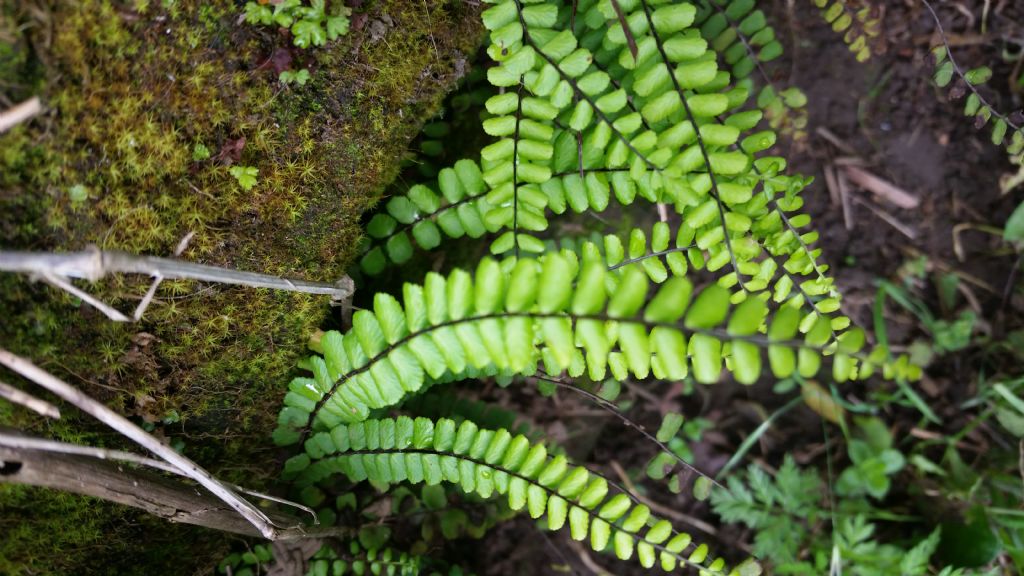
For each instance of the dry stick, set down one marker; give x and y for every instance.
(888, 218)
(844, 197)
(881, 187)
(62, 283)
(157, 279)
(16, 442)
(158, 495)
(28, 443)
(121, 424)
(20, 113)
(93, 264)
(585, 557)
(12, 394)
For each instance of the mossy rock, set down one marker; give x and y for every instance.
(149, 105)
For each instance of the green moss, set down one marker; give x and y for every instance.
(86, 535)
(132, 89)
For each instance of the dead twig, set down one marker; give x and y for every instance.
(587, 559)
(124, 426)
(881, 187)
(39, 444)
(888, 218)
(93, 264)
(156, 494)
(20, 113)
(843, 190)
(63, 284)
(12, 394)
(835, 140)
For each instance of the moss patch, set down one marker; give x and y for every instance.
(135, 92)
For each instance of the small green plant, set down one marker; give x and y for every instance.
(298, 77)
(311, 24)
(245, 175)
(790, 512)
(200, 152)
(78, 193)
(873, 461)
(783, 510)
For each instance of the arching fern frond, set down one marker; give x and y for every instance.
(490, 462)
(357, 559)
(421, 216)
(361, 560)
(589, 122)
(856, 20)
(447, 404)
(1006, 129)
(569, 315)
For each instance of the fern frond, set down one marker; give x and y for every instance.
(490, 462)
(360, 560)
(738, 31)
(585, 177)
(740, 34)
(421, 216)
(947, 69)
(569, 315)
(596, 123)
(445, 404)
(859, 26)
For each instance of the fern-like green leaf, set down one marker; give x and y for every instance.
(590, 123)
(563, 314)
(857, 21)
(1007, 130)
(739, 33)
(493, 462)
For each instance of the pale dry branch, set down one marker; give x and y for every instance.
(12, 394)
(881, 187)
(20, 113)
(125, 427)
(19, 442)
(94, 264)
(62, 283)
(164, 497)
(888, 218)
(167, 498)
